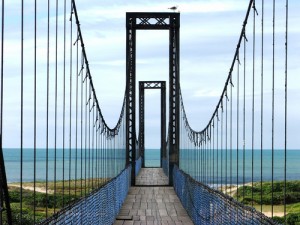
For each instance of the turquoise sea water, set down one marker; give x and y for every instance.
(152, 159)
(218, 169)
(73, 169)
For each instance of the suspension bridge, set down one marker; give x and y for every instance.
(61, 163)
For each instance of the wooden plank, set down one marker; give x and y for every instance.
(153, 205)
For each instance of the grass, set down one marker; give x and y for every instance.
(77, 187)
(261, 194)
(41, 204)
(291, 208)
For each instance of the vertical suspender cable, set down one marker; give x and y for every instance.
(102, 152)
(89, 135)
(1, 151)
(244, 114)
(262, 102)
(98, 157)
(106, 154)
(273, 103)
(64, 103)
(253, 99)
(206, 156)
(96, 151)
(200, 158)
(201, 148)
(203, 144)
(93, 121)
(231, 127)
(202, 138)
(85, 135)
(199, 145)
(34, 105)
(111, 155)
(221, 145)
(56, 94)
(21, 130)
(286, 103)
(210, 158)
(70, 112)
(81, 125)
(230, 134)
(76, 114)
(213, 166)
(114, 142)
(47, 111)
(218, 148)
(237, 129)
(226, 144)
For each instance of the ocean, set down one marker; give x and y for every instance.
(152, 159)
(243, 172)
(86, 168)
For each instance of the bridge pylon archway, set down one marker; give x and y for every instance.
(152, 21)
(152, 85)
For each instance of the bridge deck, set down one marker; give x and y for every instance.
(152, 205)
(151, 176)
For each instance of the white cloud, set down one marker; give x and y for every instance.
(209, 34)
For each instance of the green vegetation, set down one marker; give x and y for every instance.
(65, 193)
(262, 195)
(292, 219)
(292, 193)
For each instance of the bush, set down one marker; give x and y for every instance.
(292, 193)
(291, 219)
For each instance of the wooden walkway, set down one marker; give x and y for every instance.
(151, 176)
(156, 205)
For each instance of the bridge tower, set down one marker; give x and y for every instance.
(152, 21)
(152, 85)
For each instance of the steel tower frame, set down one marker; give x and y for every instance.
(152, 21)
(152, 85)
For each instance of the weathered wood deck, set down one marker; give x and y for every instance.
(152, 205)
(152, 176)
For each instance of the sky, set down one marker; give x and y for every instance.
(209, 32)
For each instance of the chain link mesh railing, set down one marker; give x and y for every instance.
(99, 207)
(209, 206)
